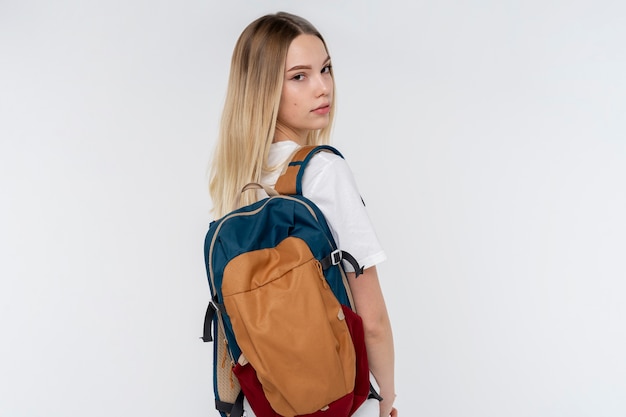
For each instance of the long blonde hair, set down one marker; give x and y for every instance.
(251, 108)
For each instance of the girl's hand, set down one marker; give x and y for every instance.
(391, 413)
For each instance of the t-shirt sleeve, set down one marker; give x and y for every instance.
(330, 184)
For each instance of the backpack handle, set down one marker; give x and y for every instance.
(269, 190)
(252, 185)
(290, 182)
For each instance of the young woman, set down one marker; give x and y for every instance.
(280, 97)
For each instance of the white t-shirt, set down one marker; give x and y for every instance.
(329, 183)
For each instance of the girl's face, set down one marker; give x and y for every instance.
(307, 90)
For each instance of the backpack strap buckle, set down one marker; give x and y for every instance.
(339, 255)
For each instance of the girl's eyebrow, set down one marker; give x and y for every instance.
(307, 67)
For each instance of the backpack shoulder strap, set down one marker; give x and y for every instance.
(290, 181)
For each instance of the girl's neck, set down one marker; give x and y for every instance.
(283, 133)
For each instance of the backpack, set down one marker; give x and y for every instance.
(281, 316)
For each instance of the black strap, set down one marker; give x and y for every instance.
(208, 320)
(234, 410)
(223, 407)
(373, 394)
(237, 410)
(339, 255)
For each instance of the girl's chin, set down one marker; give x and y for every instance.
(320, 124)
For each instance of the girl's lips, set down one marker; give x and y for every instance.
(322, 110)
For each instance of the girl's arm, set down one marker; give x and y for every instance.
(370, 305)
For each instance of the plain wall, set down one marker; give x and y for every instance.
(489, 143)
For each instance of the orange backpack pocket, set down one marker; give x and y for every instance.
(290, 327)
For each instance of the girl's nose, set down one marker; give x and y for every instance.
(324, 85)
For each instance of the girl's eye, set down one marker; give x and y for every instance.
(327, 69)
(298, 77)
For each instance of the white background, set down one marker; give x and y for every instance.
(489, 142)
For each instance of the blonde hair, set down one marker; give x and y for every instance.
(251, 108)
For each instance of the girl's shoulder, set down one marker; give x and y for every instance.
(328, 165)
